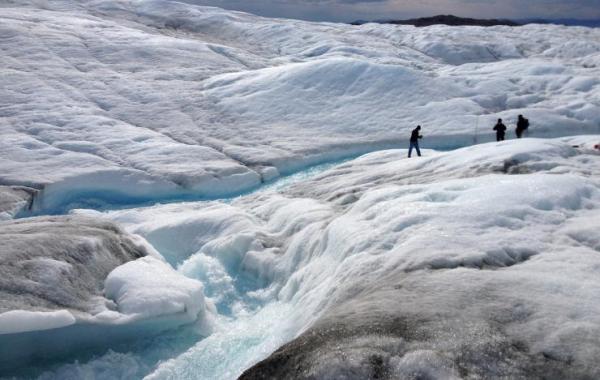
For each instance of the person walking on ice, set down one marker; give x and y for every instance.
(522, 125)
(414, 141)
(500, 129)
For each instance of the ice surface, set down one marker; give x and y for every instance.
(475, 276)
(160, 99)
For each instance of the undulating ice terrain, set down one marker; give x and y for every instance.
(157, 99)
(151, 224)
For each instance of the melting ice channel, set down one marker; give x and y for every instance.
(250, 323)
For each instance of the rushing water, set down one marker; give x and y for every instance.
(244, 330)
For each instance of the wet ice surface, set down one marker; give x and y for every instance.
(478, 262)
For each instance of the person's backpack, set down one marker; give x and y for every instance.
(525, 124)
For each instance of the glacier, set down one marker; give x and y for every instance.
(193, 193)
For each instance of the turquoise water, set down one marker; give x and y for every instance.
(106, 200)
(281, 183)
(253, 330)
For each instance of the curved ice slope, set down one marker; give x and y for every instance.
(202, 101)
(87, 283)
(292, 97)
(475, 262)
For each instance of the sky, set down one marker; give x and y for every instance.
(350, 10)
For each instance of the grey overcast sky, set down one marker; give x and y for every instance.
(349, 10)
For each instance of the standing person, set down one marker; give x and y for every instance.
(414, 141)
(500, 129)
(522, 125)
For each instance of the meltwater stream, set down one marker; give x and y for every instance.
(107, 201)
(249, 323)
(250, 318)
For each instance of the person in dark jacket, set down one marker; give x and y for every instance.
(522, 125)
(414, 141)
(500, 129)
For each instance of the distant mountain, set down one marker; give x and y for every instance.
(460, 21)
(444, 20)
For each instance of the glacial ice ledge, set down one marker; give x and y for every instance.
(83, 280)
